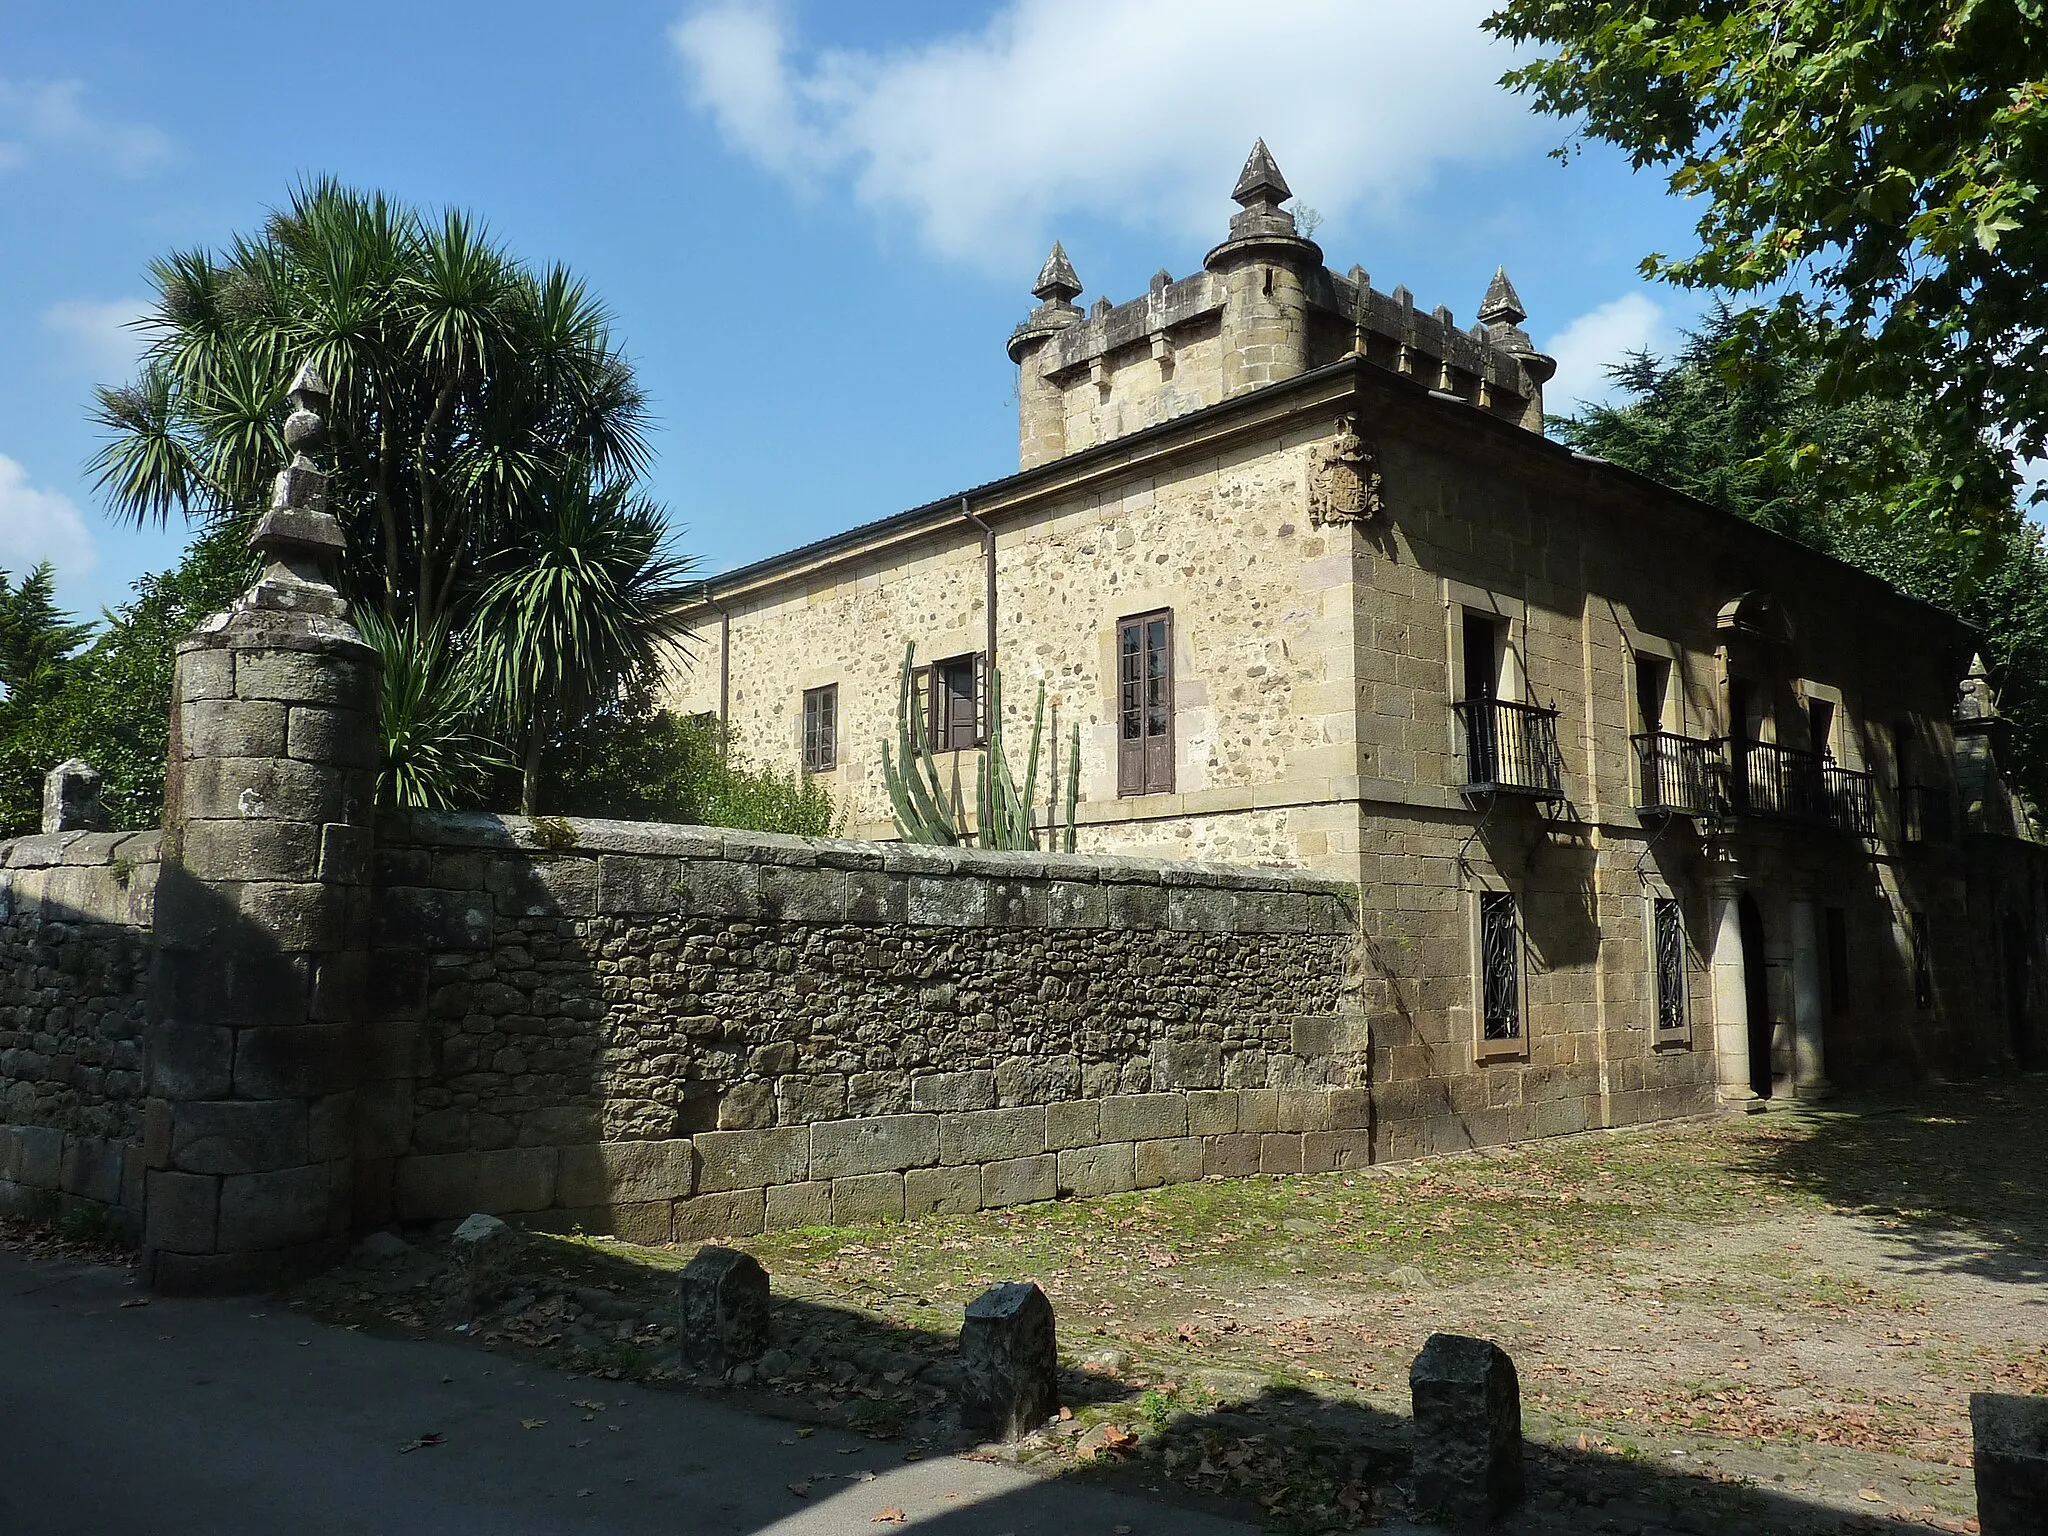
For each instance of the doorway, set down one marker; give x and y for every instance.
(1757, 988)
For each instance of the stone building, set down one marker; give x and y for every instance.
(1645, 803)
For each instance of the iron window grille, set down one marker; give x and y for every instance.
(1669, 936)
(821, 728)
(1923, 969)
(1511, 747)
(1500, 967)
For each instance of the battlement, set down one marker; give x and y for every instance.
(1263, 308)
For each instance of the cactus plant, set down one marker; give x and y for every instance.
(1003, 809)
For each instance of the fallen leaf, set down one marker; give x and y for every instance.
(136, 1301)
(805, 1434)
(420, 1444)
(801, 1490)
(1870, 1495)
(890, 1516)
(532, 1423)
(1116, 1437)
(584, 1493)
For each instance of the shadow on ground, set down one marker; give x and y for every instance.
(1285, 1459)
(1955, 1173)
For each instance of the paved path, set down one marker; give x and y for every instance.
(224, 1418)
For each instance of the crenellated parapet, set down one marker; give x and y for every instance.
(1264, 308)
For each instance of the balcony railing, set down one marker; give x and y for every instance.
(1765, 779)
(1511, 748)
(1676, 775)
(1926, 814)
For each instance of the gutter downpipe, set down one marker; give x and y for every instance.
(724, 667)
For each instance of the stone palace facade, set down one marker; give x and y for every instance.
(1648, 806)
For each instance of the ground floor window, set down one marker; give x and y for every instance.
(1838, 960)
(1144, 704)
(1668, 935)
(821, 728)
(1923, 969)
(1500, 967)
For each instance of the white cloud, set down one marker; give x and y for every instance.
(100, 338)
(40, 525)
(1596, 341)
(1134, 109)
(52, 115)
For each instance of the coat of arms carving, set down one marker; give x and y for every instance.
(1343, 479)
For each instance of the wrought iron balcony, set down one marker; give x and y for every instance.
(1676, 775)
(1765, 779)
(1926, 814)
(1510, 748)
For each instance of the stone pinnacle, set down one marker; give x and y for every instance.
(1260, 180)
(1057, 281)
(1502, 305)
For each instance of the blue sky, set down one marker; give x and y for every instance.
(815, 223)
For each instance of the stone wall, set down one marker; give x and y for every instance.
(677, 1031)
(75, 916)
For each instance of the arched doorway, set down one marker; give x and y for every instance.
(2012, 940)
(1757, 989)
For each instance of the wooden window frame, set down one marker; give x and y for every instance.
(1144, 764)
(954, 737)
(820, 751)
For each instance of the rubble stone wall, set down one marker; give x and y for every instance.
(671, 1031)
(75, 916)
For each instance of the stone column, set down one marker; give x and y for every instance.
(1809, 1005)
(71, 798)
(1731, 998)
(256, 993)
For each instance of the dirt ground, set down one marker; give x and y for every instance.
(1766, 1323)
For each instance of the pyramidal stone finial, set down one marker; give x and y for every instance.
(1057, 283)
(1502, 305)
(1260, 181)
(299, 540)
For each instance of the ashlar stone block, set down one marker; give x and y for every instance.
(1468, 1429)
(1009, 1362)
(883, 1144)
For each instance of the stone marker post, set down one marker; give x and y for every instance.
(256, 999)
(2010, 1455)
(1009, 1362)
(722, 1302)
(1468, 1429)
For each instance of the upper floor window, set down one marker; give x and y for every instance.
(821, 728)
(1144, 704)
(1653, 692)
(954, 712)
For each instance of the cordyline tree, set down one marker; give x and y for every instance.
(1870, 176)
(486, 436)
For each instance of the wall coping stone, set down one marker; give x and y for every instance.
(47, 850)
(593, 836)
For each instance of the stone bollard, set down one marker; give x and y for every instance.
(723, 1301)
(71, 798)
(2010, 1436)
(481, 1254)
(1009, 1362)
(1468, 1429)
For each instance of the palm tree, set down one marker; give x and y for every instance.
(486, 435)
(587, 600)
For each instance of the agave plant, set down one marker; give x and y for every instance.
(924, 810)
